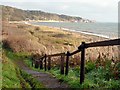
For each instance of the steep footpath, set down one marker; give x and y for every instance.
(46, 79)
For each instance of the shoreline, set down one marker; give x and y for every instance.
(87, 33)
(75, 31)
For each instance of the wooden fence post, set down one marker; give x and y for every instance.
(41, 63)
(62, 65)
(32, 61)
(49, 63)
(45, 62)
(67, 63)
(82, 69)
(36, 64)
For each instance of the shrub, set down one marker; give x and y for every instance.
(77, 71)
(117, 71)
(37, 28)
(6, 44)
(89, 66)
(59, 35)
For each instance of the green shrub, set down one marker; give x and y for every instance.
(76, 71)
(89, 66)
(117, 71)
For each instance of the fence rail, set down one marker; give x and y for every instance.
(75, 52)
(104, 43)
(81, 49)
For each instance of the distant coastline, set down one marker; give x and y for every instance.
(16, 14)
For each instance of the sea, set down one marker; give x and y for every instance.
(106, 30)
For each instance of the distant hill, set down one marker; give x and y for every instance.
(14, 14)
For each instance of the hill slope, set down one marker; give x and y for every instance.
(14, 14)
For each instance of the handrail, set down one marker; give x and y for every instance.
(87, 45)
(77, 51)
(103, 43)
(81, 49)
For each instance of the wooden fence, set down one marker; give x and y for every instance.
(81, 48)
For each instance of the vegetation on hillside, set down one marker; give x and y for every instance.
(14, 14)
(98, 74)
(25, 40)
(13, 76)
(42, 39)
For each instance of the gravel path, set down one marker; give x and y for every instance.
(46, 79)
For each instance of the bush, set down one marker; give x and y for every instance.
(22, 44)
(76, 70)
(89, 66)
(6, 44)
(37, 28)
(20, 26)
(117, 71)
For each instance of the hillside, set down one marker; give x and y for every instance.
(14, 14)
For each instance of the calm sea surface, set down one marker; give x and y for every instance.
(108, 30)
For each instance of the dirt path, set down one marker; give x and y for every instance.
(46, 79)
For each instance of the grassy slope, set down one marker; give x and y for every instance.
(0, 65)
(10, 77)
(15, 78)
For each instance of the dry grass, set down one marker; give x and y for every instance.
(43, 39)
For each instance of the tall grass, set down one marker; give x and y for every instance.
(14, 77)
(10, 78)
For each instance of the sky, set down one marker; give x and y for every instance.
(98, 10)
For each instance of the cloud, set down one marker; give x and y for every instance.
(64, 7)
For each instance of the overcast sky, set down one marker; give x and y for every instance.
(99, 10)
